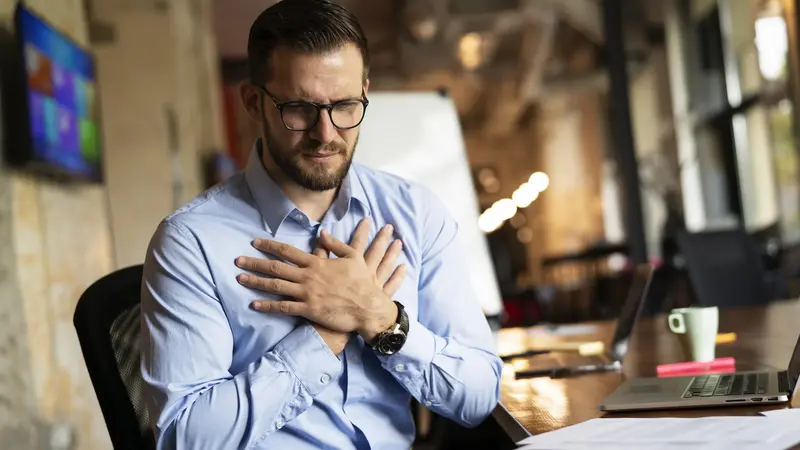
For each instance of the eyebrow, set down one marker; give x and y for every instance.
(304, 98)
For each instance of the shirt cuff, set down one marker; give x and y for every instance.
(415, 356)
(309, 358)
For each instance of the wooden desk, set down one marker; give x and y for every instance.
(765, 340)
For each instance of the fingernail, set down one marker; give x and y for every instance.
(324, 232)
(240, 261)
(257, 242)
(256, 305)
(389, 228)
(243, 277)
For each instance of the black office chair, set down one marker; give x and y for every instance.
(725, 268)
(107, 322)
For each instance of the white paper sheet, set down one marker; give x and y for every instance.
(749, 432)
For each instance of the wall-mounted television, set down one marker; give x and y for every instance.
(50, 102)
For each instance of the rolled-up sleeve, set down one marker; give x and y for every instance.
(193, 399)
(448, 362)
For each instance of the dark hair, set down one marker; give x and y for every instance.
(310, 26)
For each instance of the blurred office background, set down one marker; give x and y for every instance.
(598, 133)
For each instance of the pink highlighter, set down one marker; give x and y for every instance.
(719, 365)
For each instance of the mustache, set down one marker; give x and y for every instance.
(333, 147)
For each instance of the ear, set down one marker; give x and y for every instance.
(251, 99)
(366, 87)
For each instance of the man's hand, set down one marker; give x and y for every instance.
(336, 340)
(349, 294)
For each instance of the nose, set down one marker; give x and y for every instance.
(324, 131)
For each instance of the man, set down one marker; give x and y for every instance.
(252, 336)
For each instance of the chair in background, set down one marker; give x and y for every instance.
(725, 268)
(107, 323)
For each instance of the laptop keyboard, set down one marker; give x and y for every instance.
(729, 384)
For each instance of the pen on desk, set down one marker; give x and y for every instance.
(593, 348)
(536, 373)
(564, 372)
(526, 354)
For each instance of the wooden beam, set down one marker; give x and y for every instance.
(590, 80)
(535, 54)
(514, 98)
(504, 109)
(584, 15)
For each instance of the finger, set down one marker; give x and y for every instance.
(393, 285)
(285, 251)
(278, 269)
(286, 307)
(320, 252)
(271, 285)
(336, 246)
(377, 250)
(386, 265)
(360, 236)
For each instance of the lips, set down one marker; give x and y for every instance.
(321, 153)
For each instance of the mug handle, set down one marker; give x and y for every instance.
(676, 323)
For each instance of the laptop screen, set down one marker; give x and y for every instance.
(794, 365)
(640, 287)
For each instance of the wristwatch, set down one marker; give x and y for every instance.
(391, 341)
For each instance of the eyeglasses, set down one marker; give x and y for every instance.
(298, 115)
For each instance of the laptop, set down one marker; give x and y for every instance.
(730, 389)
(613, 354)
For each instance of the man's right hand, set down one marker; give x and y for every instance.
(381, 257)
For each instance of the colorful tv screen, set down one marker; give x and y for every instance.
(62, 99)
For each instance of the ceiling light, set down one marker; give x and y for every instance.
(540, 181)
(489, 221)
(470, 50)
(525, 195)
(505, 208)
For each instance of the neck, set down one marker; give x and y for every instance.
(313, 203)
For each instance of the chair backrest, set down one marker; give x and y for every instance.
(725, 268)
(107, 323)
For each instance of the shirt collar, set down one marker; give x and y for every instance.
(273, 204)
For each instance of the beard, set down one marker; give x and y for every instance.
(314, 177)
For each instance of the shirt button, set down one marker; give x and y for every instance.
(278, 423)
(427, 403)
(325, 378)
(298, 216)
(400, 368)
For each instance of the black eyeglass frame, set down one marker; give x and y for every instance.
(329, 107)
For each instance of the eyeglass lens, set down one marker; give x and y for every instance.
(302, 116)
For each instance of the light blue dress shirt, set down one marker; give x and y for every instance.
(220, 375)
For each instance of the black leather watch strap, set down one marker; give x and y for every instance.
(402, 317)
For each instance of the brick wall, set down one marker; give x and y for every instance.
(56, 240)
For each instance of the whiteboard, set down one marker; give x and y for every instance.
(417, 136)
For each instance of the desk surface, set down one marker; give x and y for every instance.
(765, 339)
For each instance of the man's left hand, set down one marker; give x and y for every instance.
(341, 294)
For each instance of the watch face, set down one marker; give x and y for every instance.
(392, 343)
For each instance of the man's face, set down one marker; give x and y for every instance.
(317, 159)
